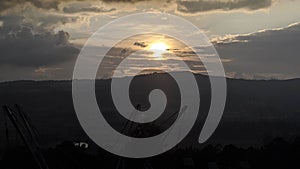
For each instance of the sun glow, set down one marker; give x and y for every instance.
(158, 49)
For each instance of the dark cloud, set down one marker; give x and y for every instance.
(46, 4)
(91, 9)
(76, 9)
(10, 22)
(130, 1)
(182, 5)
(208, 5)
(272, 52)
(31, 50)
(23, 48)
(141, 44)
(54, 4)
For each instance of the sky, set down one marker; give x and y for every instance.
(255, 39)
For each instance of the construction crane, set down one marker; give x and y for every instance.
(23, 126)
(129, 126)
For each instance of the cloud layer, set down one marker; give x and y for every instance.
(22, 47)
(208, 5)
(32, 46)
(268, 53)
(46, 4)
(185, 6)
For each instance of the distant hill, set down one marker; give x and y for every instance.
(256, 111)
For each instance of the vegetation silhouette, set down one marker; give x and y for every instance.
(278, 154)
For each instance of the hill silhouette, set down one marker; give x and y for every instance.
(255, 112)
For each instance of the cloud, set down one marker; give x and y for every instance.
(267, 52)
(91, 9)
(208, 5)
(28, 16)
(23, 48)
(130, 1)
(86, 7)
(46, 4)
(55, 4)
(30, 54)
(31, 49)
(44, 69)
(141, 44)
(227, 39)
(184, 6)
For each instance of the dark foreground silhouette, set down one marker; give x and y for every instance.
(278, 154)
(256, 112)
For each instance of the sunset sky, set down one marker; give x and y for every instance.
(255, 39)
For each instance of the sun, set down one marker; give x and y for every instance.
(158, 48)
